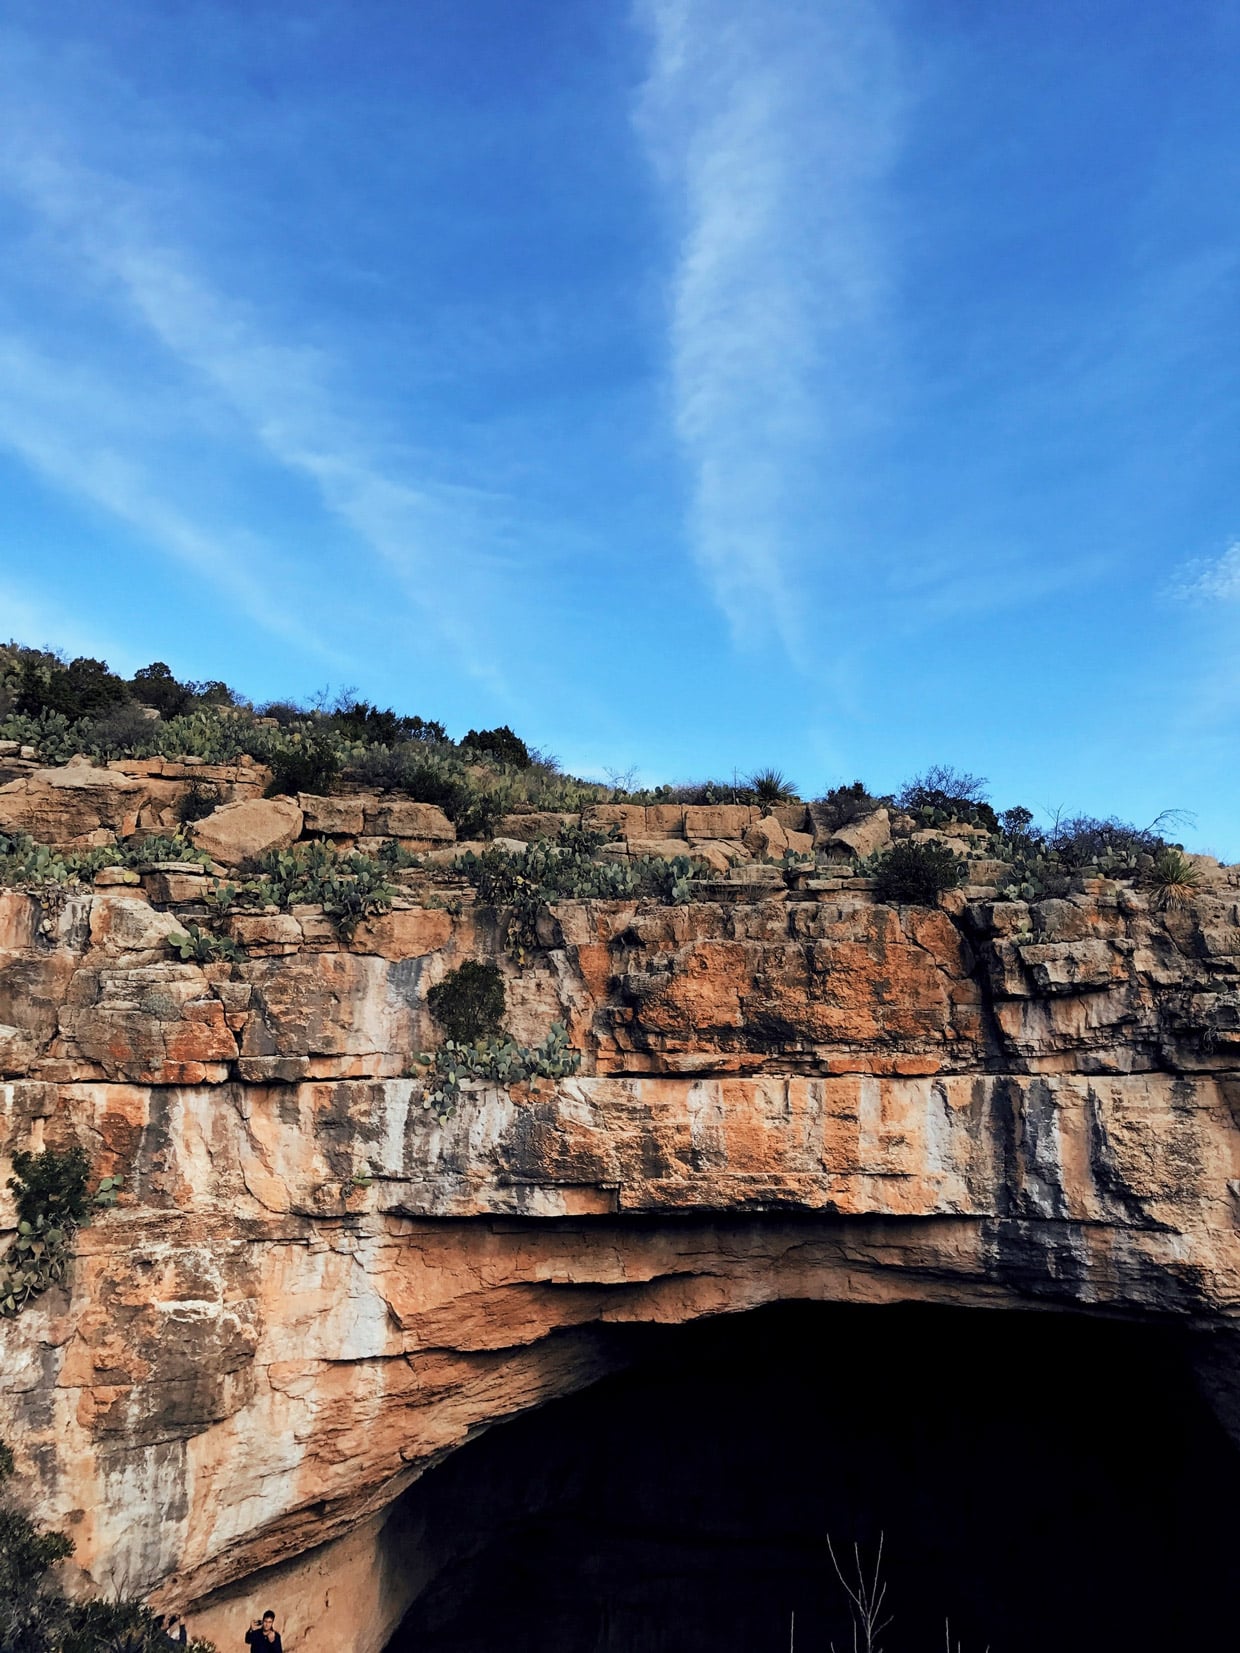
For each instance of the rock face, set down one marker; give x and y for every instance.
(237, 834)
(312, 1292)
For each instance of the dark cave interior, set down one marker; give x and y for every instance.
(1043, 1480)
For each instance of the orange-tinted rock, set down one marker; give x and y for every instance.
(237, 834)
(56, 805)
(312, 1290)
(399, 818)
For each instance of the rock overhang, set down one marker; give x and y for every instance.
(313, 1291)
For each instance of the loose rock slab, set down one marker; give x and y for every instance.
(238, 833)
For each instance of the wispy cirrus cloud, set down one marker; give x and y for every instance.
(70, 427)
(770, 128)
(286, 397)
(1214, 580)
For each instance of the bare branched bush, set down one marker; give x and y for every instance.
(867, 1593)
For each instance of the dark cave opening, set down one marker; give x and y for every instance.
(1043, 1480)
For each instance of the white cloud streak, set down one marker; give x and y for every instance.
(428, 535)
(1215, 581)
(65, 425)
(770, 128)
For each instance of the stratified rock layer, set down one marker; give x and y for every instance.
(313, 1291)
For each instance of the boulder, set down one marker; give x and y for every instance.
(628, 819)
(338, 817)
(861, 838)
(718, 820)
(125, 922)
(238, 833)
(665, 821)
(402, 818)
(659, 849)
(767, 837)
(56, 805)
(718, 856)
(539, 823)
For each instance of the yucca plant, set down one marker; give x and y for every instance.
(771, 786)
(1173, 878)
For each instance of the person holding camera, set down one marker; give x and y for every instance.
(262, 1636)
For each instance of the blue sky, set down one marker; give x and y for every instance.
(694, 385)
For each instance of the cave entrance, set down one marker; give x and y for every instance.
(1043, 1480)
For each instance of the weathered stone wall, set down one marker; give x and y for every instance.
(786, 1092)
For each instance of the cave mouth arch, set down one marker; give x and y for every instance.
(1043, 1479)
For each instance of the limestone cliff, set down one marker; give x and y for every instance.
(312, 1290)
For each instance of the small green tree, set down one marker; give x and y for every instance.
(500, 743)
(917, 874)
(469, 1003)
(32, 1619)
(36, 1617)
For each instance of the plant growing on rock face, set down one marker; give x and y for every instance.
(494, 1060)
(917, 874)
(566, 870)
(469, 1003)
(1173, 878)
(349, 888)
(500, 744)
(28, 865)
(53, 1202)
(201, 799)
(201, 947)
(307, 762)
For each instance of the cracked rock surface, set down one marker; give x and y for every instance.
(312, 1292)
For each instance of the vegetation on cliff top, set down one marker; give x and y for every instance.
(57, 708)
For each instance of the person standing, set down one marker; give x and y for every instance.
(262, 1636)
(174, 1629)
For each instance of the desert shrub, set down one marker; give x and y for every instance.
(1044, 862)
(213, 692)
(154, 685)
(469, 1003)
(32, 1620)
(845, 804)
(53, 1201)
(429, 776)
(771, 786)
(360, 721)
(379, 767)
(116, 733)
(307, 762)
(287, 713)
(500, 744)
(1086, 841)
(1172, 877)
(82, 688)
(35, 1617)
(947, 794)
(917, 874)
